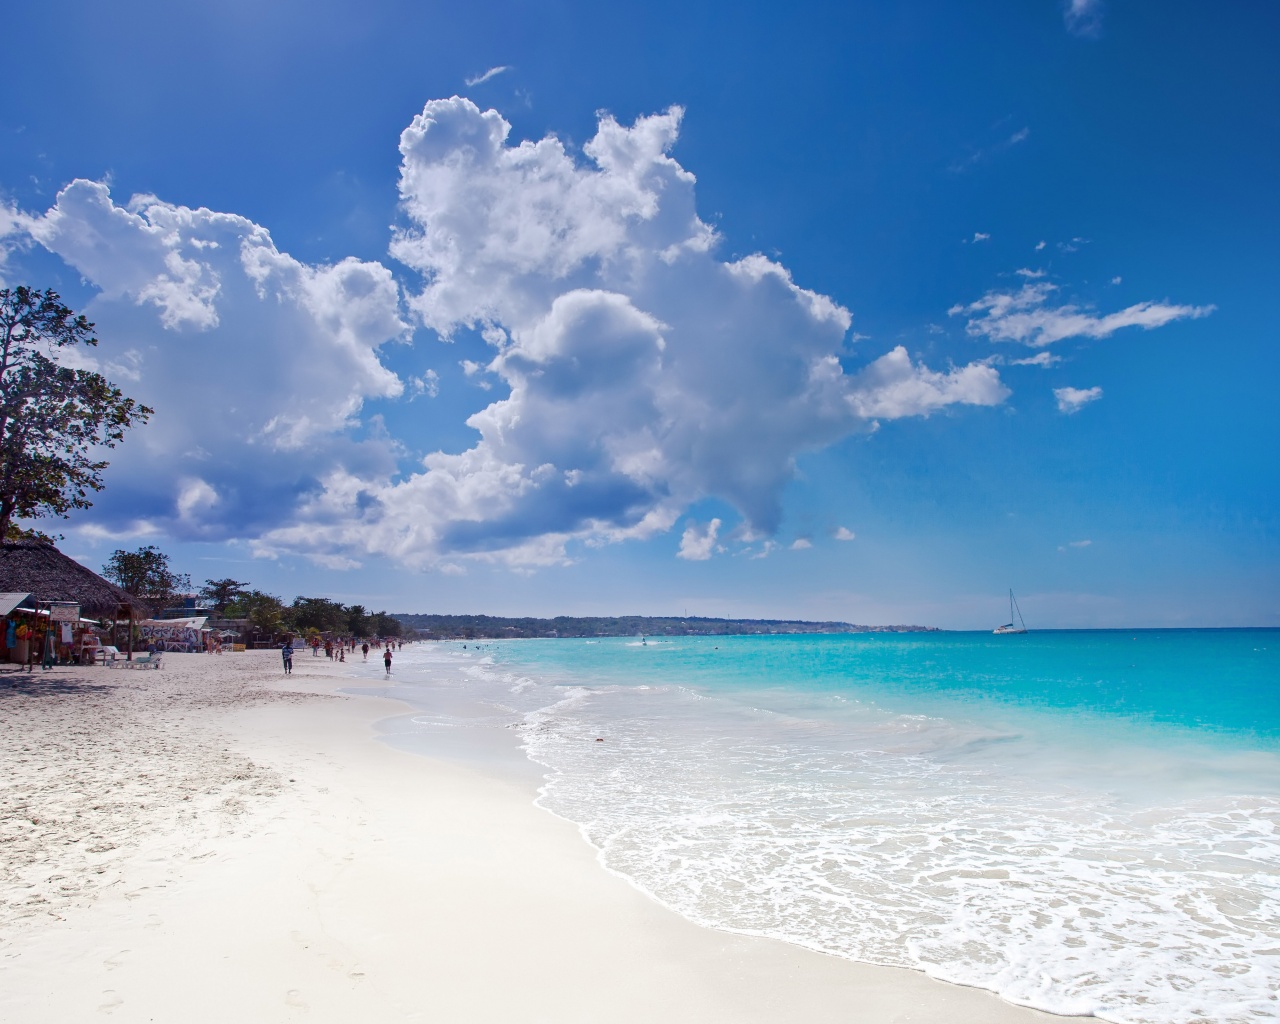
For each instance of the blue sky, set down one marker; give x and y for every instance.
(860, 311)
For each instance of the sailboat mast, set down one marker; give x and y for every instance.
(1013, 605)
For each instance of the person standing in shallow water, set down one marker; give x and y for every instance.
(386, 660)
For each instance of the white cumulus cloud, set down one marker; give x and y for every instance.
(1072, 400)
(257, 364)
(635, 371)
(642, 373)
(698, 543)
(844, 533)
(893, 387)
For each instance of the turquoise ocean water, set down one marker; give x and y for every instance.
(1084, 822)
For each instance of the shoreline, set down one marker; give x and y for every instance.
(349, 879)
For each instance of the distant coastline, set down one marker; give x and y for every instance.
(493, 627)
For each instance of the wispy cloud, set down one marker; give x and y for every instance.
(1074, 544)
(128, 531)
(428, 384)
(1026, 316)
(491, 73)
(981, 236)
(1043, 359)
(1083, 18)
(1072, 400)
(984, 153)
(766, 549)
(1040, 245)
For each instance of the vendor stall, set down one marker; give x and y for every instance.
(58, 603)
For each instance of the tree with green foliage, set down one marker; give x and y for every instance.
(357, 620)
(319, 613)
(145, 573)
(222, 593)
(53, 418)
(382, 624)
(265, 612)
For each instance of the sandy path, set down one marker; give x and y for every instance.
(99, 763)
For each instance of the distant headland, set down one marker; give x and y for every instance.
(493, 627)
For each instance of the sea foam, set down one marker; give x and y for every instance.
(1074, 860)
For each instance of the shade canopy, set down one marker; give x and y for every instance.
(37, 568)
(8, 602)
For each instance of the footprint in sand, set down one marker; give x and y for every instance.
(294, 998)
(116, 960)
(111, 1001)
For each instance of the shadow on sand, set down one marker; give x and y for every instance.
(15, 680)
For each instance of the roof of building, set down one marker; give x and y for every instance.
(38, 568)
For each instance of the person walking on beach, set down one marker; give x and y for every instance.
(386, 660)
(365, 648)
(286, 655)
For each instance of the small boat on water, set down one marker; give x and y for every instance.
(1009, 626)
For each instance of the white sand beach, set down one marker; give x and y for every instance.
(214, 842)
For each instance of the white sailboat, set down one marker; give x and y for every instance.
(1009, 626)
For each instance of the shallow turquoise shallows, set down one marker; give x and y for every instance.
(1217, 680)
(1085, 822)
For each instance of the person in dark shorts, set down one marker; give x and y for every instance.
(286, 655)
(386, 660)
(365, 647)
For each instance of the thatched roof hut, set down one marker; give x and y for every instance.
(38, 568)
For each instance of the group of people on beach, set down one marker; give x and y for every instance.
(338, 650)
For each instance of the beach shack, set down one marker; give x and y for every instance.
(60, 601)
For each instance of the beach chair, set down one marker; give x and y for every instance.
(143, 660)
(105, 654)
